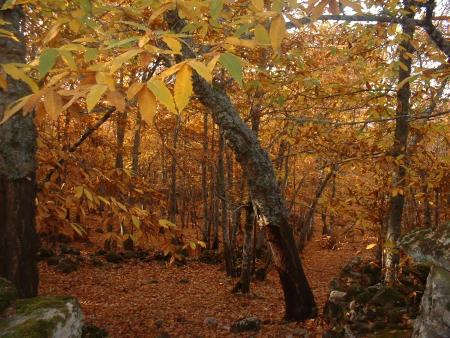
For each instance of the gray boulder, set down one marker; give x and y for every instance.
(44, 317)
(432, 246)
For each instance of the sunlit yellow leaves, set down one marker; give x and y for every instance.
(134, 89)
(53, 104)
(170, 71)
(18, 74)
(371, 246)
(183, 87)
(147, 104)
(116, 99)
(95, 94)
(201, 69)
(162, 93)
(172, 43)
(277, 32)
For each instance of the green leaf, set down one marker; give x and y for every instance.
(47, 60)
(118, 43)
(233, 65)
(216, 8)
(90, 54)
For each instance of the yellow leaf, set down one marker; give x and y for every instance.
(173, 44)
(116, 99)
(3, 81)
(117, 62)
(334, 8)
(212, 62)
(147, 104)
(172, 70)
(353, 5)
(18, 74)
(14, 107)
(183, 87)
(261, 35)
(201, 69)
(371, 246)
(258, 4)
(318, 10)
(232, 40)
(94, 95)
(106, 79)
(53, 104)
(162, 93)
(277, 32)
(134, 89)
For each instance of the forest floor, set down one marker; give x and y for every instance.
(139, 299)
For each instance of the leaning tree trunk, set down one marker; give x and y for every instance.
(265, 191)
(18, 238)
(399, 150)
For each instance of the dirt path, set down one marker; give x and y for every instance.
(146, 299)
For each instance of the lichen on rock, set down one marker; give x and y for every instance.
(44, 317)
(431, 246)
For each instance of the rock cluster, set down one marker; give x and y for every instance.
(360, 305)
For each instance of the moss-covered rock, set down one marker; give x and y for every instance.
(8, 293)
(44, 317)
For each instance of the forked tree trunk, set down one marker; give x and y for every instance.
(18, 239)
(399, 150)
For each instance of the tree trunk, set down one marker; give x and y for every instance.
(247, 252)
(206, 222)
(221, 191)
(399, 151)
(266, 194)
(18, 240)
(173, 173)
(136, 145)
(120, 138)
